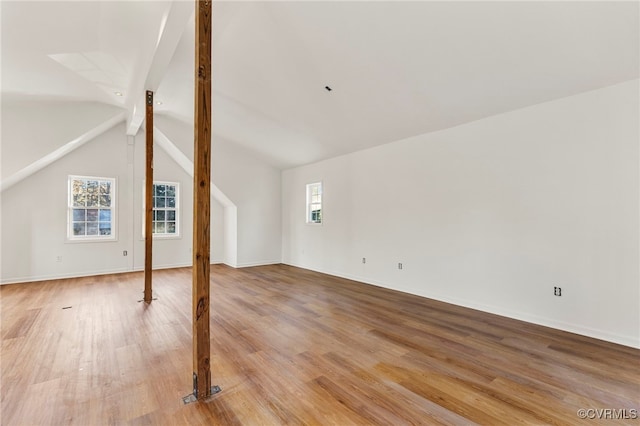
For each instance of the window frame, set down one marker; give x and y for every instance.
(177, 208)
(113, 208)
(309, 202)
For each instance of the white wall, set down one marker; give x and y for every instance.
(34, 221)
(23, 142)
(492, 214)
(251, 183)
(34, 209)
(255, 188)
(171, 252)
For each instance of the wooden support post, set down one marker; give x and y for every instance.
(148, 199)
(201, 202)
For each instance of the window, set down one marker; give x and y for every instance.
(314, 203)
(166, 209)
(91, 208)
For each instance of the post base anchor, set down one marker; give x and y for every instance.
(192, 397)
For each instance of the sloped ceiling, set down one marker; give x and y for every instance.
(396, 69)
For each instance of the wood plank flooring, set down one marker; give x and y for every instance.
(291, 346)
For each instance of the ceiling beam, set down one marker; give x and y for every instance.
(65, 149)
(150, 75)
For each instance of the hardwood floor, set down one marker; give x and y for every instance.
(291, 346)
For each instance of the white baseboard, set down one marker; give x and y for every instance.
(544, 321)
(18, 280)
(262, 263)
(631, 341)
(37, 278)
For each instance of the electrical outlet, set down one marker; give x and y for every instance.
(557, 291)
(399, 265)
(124, 252)
(364, 260)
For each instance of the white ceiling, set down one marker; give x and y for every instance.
(397, 69)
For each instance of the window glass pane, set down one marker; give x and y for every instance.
(160, 202)
(92, 228)
(160, 190)
(171, 202)
(105, 194)
(171, 215)
(78, 228)
(105, 228)
(79, 200)
(105, 215)
(171, 190)
(105, 200)
(160, 215)
(93, 195)
(171, 227)
(79, 215)
(92, 215)
(160, 227)
(78, 190)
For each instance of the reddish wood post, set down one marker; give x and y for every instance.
(148, 199)
(201, 202)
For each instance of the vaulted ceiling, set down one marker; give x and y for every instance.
(396, 69)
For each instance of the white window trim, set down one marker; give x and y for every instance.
(70, 238)
(178, 233)
(308, 204)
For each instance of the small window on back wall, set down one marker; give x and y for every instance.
(166, 209)
(314, 203)
(91, 208)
